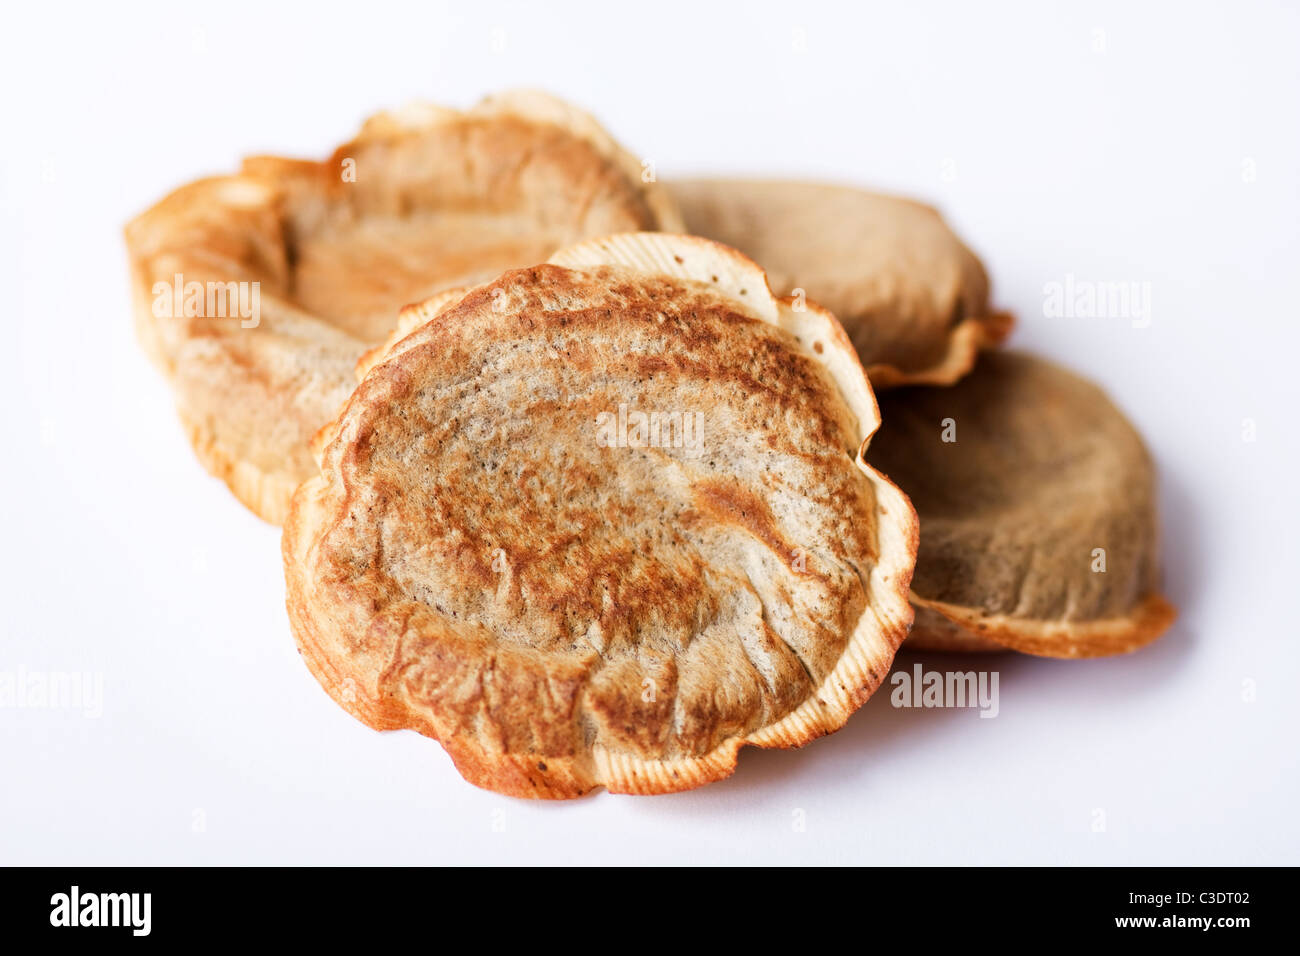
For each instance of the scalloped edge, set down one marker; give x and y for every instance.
(1104, 637)
(727, 270)
(965, 342)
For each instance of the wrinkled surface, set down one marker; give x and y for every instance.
(481, 565)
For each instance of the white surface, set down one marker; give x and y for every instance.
(121, 557)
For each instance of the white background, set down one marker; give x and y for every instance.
(1156, 144)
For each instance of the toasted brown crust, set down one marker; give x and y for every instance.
(562, 613)
(421, 200)
(913, 298)
(1038, 513)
